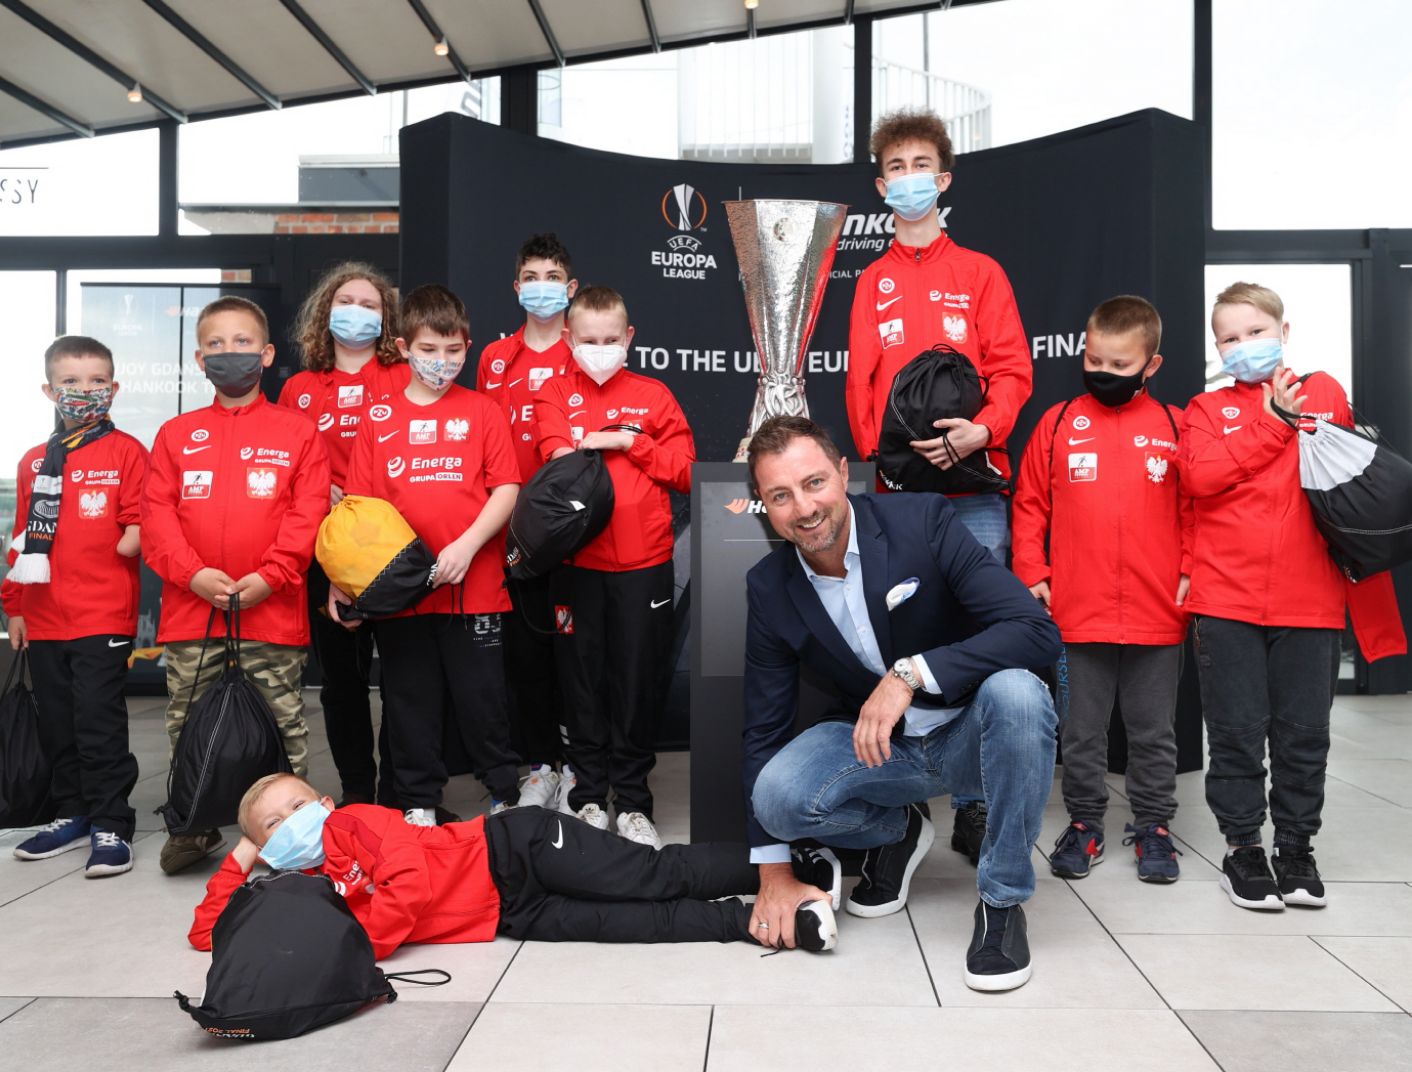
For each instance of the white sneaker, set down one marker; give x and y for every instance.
(540, 789)
(637, 827)
(593, 815)
(567, 781)
(420, 817)
(502, 805)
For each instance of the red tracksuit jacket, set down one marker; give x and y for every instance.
(639, 534)
(403, 883)
(438, 464)
(913, 297)
(1102, 486)
(512, 375)
(93, 590)
(242, 490)
(336, 400)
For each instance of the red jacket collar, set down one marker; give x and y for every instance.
(239, 411)
(933, 252)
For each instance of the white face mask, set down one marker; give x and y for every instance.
(599, 363)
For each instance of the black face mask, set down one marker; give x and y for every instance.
(1112, 389)
(233, 375)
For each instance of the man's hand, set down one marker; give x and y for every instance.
(872, 733)
(214, 586)
(1282, 389)
(253, 590)
(618, 440)
(962, 436)
(1183, 587)
(335, 495)
(780, 894)
(337, 595)
(454, 561)
(130, 542)
(246, 852)
(19, 634)
(1041, 592)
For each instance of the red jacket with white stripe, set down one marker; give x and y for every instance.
(639, 534)
(911, 298)
(512, 375)
(1101, 485)
(336, 400)
(403, 883)
(241, 490)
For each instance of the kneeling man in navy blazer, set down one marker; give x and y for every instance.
(924, 639)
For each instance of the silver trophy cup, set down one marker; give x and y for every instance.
(785, 250)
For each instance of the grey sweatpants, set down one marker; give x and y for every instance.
(1143, 679)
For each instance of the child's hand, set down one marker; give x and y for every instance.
(958, 437)
(246, 852)
(337, 595)
(1282, 389)
(19, 635)
(253, 590)
(130, 542)
(335, 495)
(454, 561)
(1183, 587)
(213, 586)
(618, 440)
(1041, 592)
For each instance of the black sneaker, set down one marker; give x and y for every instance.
(887, 870)
(815, 929)
(1076, 850)
(1298, 878)
(968, 829)
(999, 956)
(1246, 877)
(818, 866)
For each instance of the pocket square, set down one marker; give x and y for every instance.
(901, 593)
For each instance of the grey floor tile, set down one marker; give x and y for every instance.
(1272, 972)
(19, 877)
(1280, 1041)
(475, 968)
(750, 1039)
(1351, 846)
(1390, 779)
(153, 1035)
(1386, 963)
(587, 1038)
(10, 1006)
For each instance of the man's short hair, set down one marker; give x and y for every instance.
(1263, 298)
(233, 303)
(255, 793)
(912, 124)
(76, 346)
(545, 247)
(1125, 313)
(431, 307)
(777, 433)
(597, 300)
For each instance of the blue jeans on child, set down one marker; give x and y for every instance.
(1001, 748)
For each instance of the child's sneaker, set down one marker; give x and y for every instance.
(1075, 851)
(1156, 855)
(593, 815)
(111, 855)
(815, 928)
(59, 836)
(183, 850)
(497, 806)
(419, 817)
(540, 789)
(819, 867)
(1246, 878)
(637, 827)
(567, 781)
(1298, 878)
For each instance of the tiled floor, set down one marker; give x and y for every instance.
(1126, 976)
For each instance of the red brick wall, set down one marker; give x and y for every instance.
(337, 223)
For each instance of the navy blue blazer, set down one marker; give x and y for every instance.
(969, 617)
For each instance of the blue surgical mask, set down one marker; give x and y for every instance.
(353, 325)
(298, 842)
(912, 196)
(1253, 361)
(544, 300)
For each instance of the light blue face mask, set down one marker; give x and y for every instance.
(353, 325)
(1253, 361)
(912, 196)
(298, 842)
(544, 300)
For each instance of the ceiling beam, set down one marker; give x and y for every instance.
(437, 35)
(848, 13)
(317, 33)
(547, 31)
(197, 38)
(750, 23)
(83, 52)
(651, 21)
(44, 108)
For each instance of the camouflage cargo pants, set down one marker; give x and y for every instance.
(277, 671)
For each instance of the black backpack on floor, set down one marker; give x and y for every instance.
(288, 956)
(228, 742)
(558, 512)
(25, 771)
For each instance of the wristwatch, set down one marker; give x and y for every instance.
(903, 669)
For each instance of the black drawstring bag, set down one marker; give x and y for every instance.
(288, 956)
(25, 771)
(940, 382)
(228, 742)
(562, 508)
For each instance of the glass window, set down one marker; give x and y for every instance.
(625, 106)
(89, 186)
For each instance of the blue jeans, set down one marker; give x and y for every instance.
(1001, 747)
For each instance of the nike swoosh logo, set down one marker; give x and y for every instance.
(576, 412)
(520, 380)
(195, 450)
(559, 842)
(119, 643)
(884, 304)
(655, 603)
(492, 386)
(1228, 429)
(1075, 442)
(385, 438)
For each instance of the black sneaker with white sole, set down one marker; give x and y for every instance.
(999, 955)
(887, 870)
(815, 928)
(1298, 878)
(968, 829)
(1246, 878)
(818, 866)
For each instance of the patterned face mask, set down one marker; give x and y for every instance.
(83, 407)
(434, 372)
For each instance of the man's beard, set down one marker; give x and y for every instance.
(818, 539)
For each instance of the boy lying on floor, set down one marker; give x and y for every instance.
(524, 873)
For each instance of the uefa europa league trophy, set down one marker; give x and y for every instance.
(785, 250)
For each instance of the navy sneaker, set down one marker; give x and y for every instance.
(111, 855)
(1298, 878)
(999, 956)
(61, 835)
(1076, 850)
(1156, 855)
